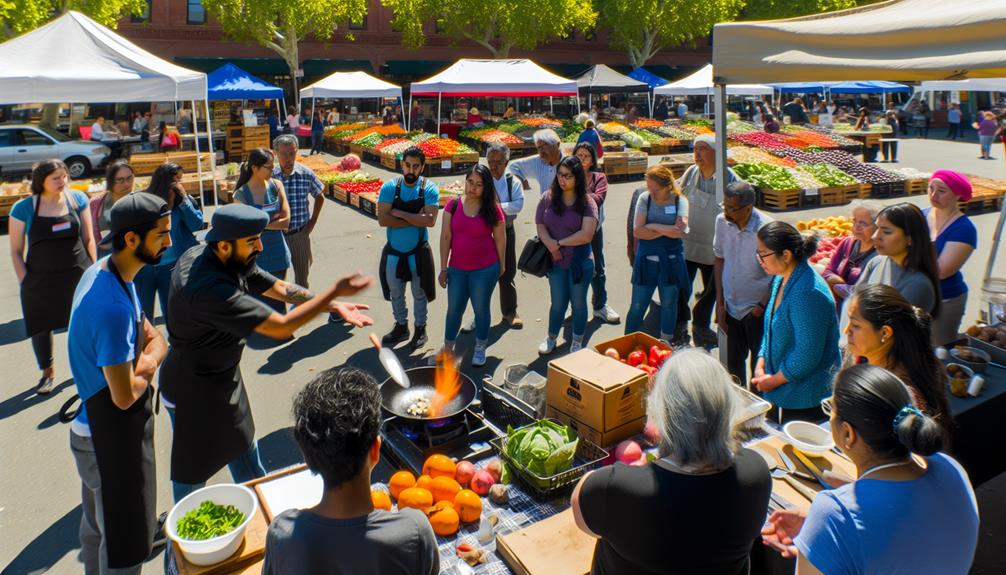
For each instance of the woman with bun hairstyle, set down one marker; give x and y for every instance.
(910, 510)
(799, 351)
(887, 331)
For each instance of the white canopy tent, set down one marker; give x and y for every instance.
(350, 85)
(493, 78)
(975, 85)
(891, 40)
(73, 59)
(700, 83)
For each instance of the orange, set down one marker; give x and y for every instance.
(469, 505)
(380, 500)
(444, 488)
(416, 498)
(424, 481)
(400, 481)
(444, 519)
(438, 465)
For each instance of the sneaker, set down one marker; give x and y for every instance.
(468, 327)
(547, 346)
(479, 357)
(514, 321)
(607, 315)
(703, 336)
(419, 338)
(397, 335)
(45, 385)
(576, 345)
(681, 338)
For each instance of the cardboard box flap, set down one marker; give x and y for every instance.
(595, 369)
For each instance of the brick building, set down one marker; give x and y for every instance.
(181, 31)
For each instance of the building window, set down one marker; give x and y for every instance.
(360, 24)
(438, 26)
(144, 16)
(195, 12)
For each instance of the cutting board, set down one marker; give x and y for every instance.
(251, 552)
(554, 546)
(829, 460)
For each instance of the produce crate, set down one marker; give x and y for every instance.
(831, 196)
(7, 202)
(368, 203)
(615, 164)
(780, 200)
(865, 191)
(893, 190)
(339, 147)
(356, 149)
(188, 162)
(354, 200)
(502, 408)
(637, 164)
(466, 158)
(916, 187)
(339, 194)
(980, 205)
(372, 155)
(390, 162)
(145, 164)
(588, 457)
(446, 166)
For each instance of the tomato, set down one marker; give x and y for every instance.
(637, 358)
(658, 355)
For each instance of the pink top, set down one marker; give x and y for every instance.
(472, 244)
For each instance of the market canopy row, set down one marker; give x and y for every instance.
(351, 85)
(601, 79)
(849, 87)
(700, 83)
(468, 77)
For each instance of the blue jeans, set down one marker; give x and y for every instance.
(564, 294)
(477, 286)
(245, 468)
(396, 289)
(600, 297)
(641, 297)
(986, 144)
(154, 280)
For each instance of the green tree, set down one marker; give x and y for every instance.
(775, 9)
(280, 25)
(19, 16)
(496, 25)
(644, 27)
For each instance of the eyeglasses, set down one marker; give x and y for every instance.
(267, 166)
(565, 176)
(827, 406)
(730, 210)
(123, 179)
(762, 256)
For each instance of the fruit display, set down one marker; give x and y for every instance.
(749, 155)
(340, 131)
(614, 128)
(832, 226)
(337, 177)
(758, 139)
(492, 136)
(647, 123)
(540, 122)
(993, 334)
(443, 148)
(674, 132)
(825, 251)
(647, 360)
(766, 176)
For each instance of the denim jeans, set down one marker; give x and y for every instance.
(564, 294)
(396, 287)
(986, 144)
(597, 284)
(477, 286)
(150, 281)
(641, 297)
(246, 467)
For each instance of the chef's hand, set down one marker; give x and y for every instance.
(781, 528)
(352, 284)
(352, 312)
(442, 278)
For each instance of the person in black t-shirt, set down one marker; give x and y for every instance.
(700, 507)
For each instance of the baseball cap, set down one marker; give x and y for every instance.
(136, 209)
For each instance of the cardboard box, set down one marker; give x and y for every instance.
(627, 343)
(596, 390)
(601, 438)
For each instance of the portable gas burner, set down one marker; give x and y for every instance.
(407, 443)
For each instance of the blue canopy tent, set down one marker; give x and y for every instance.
(228, 82)
(801, 87)
(652, 80)
(872, 87)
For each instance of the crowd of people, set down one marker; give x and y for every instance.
(854, 342)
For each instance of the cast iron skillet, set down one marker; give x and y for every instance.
(397, 399)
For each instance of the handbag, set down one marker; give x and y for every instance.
(535, 258)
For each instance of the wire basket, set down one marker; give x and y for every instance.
(588, 457)
(503, 409)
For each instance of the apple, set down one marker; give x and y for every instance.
(641, 462)
(612, 353)
(464, 473)
(495, 469)
(482, 482)
(628, 451)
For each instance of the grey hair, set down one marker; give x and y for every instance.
(498, 148)
(547, 136)
(741, 190)
(284, 140)
(871, 206)
(692, 406)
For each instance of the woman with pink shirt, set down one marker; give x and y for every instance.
(472, 241)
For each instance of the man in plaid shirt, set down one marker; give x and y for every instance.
(299, 181)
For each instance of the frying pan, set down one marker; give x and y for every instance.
(397, 399)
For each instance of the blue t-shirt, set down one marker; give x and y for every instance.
(960, 230)
(101, 333)
(24, 209)
(406, 239)
(925, 526)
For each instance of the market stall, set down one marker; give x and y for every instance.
(230, 83)
(350, 85)
(651, 80)
(468, 77)
(601, 79)
(700, 83)
(74, 59)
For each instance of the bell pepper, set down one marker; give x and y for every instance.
(637, 358)
(658, 355)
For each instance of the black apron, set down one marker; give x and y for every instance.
(425, 267)
(213, 420)
(124, 448)
(56, 260)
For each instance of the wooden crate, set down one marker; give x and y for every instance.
(982, 204)
(865, 191)
(354, 200)
(615, 164)
(356, 149)
(780, 200)
(916, 187)
(188, 162)
(339, 194)
(7, 202)
(390, 162)
(145, 164)
(837, 195)
(368, 203)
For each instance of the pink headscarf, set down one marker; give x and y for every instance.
(957, 182)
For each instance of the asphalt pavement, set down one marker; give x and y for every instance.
(39, 486)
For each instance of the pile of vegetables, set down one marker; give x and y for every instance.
(648, 123)
(647, 136)
(342, 130)
(805, 179)
(832, 226)
(442, 148)
(417, 137)
(209, 520)
(829, 175)
(394, 146)
(366, 187)
(544, 448)
(540, 122)
(492, 136)
(758, 139)
(766, 176)
(633, 140)
(612, 128)
(341, 178)
(367, 141)
(673, 132)
(745, 154)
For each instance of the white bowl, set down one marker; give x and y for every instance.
(808, 438)
(215, 550)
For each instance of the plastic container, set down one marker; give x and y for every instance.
(217, 549)
(809, 438)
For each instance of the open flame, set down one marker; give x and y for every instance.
(446, 383)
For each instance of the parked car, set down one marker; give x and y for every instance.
(23, 145)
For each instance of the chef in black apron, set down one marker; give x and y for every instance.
(407, 222)
(60, 248)
(114, 352)
(211, 311)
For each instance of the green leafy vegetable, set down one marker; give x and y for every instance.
(768, 176)
(545, 448)
(209, 520)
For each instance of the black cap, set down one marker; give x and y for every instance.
(236, 221)
(136, 209)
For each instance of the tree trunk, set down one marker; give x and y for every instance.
(288, 49)
(50, 116)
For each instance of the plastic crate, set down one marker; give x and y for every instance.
(588, 457)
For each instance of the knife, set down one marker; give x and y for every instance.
(814, 469)
(792, 468)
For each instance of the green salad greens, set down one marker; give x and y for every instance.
(209, 520)
(544, 448)
(766, 176)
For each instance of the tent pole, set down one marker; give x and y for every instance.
(408, 114)
(213, 156)
(577, 104)
(590, 105)
(439, 96)
(551, 109)
(720, 129)
(997, 235)
(199, 162)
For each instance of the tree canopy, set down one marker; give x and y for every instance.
(19, 16)
(776, 9)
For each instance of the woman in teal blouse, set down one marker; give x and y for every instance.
(799, 351)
